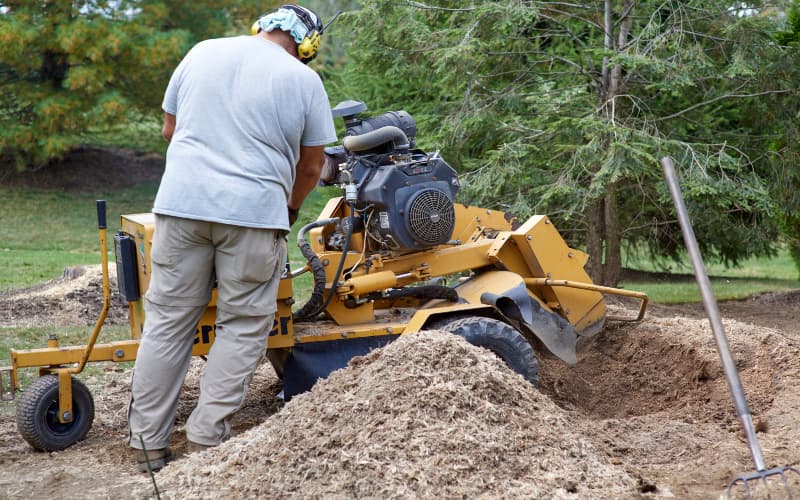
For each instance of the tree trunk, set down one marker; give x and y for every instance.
(604, 239)
(794, 251)
(54, 68)
(612, 267)
(55, 63)
(594, 240)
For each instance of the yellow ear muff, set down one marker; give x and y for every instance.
(309, 46)
(255, 28)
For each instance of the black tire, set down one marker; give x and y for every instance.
(500, 338)
(37, 415)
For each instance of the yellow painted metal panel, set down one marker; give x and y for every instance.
(282, 333)
(316, 237)
(470, 218)
(64, 396)
(344, 315)
(421, 318)
(115, 351)
(140, 227)
(330, 332)
(442, 260)
(549, 256)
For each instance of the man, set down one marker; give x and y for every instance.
(247, 122)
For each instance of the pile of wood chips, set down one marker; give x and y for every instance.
(427, 416)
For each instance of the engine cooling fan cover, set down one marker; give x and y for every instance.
(430, 217)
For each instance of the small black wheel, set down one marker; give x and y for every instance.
(500, 338)
(37, 415)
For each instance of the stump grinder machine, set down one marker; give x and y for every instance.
(394, 255)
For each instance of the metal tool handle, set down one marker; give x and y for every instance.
(101, 226)
(710, 304)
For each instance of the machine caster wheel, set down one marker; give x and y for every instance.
(500, 338)
(37, 415)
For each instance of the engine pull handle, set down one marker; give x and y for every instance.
(101, 214)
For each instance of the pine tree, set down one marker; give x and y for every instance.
(566, 108)
(70, 70)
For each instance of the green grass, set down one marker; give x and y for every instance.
(752, 276)
(20, 338)
(23, 268)
(45, 231)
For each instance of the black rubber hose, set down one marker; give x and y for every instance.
(428, 292)
(375, 138)
(312, 307)
(339, 268)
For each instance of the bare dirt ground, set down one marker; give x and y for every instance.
(645, 413)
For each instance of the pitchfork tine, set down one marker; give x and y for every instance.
(762, 475)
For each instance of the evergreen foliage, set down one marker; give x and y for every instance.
(71, 69)
(786, 174)
(562, 108)
(542, 112)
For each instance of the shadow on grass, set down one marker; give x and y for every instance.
(637, 276)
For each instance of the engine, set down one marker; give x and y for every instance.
(403, 196)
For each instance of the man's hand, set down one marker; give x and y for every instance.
(293, 213)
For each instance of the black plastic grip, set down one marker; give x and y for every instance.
(101, 214)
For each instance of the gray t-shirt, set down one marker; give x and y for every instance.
(243, 107)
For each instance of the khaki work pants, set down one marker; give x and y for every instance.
(186, 256)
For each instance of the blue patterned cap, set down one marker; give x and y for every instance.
(286, 20)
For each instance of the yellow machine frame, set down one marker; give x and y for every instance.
(532, 253)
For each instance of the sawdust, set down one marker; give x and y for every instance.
(660, 392)
(73, 299)
(429, 415)
(645, 413)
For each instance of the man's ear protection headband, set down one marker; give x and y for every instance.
(308, 46)
(307, 49)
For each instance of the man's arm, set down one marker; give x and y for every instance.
(309, 168)
(169, 126)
